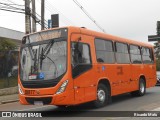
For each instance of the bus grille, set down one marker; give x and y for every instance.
(45, 100)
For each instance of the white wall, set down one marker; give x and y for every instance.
(13, 34)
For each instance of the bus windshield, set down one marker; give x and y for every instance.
(43, 60)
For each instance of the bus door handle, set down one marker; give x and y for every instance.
(92, 85)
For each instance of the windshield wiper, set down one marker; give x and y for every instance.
(46, 50)
(44, 54)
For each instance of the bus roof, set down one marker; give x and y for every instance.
(85, 31)
(107, 36)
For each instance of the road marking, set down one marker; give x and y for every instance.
(36, 108)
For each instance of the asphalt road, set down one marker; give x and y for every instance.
(149, 102)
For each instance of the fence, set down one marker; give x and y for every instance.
(8, 68)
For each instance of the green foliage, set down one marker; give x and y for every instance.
(6, 44)
(8, 82)
(158, 64)
(157, 57)
(7, 56)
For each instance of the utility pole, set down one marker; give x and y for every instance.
(155, 37)
(42, 14)
(33, 16)
(27, 17)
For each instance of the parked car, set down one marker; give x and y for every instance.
(158, 78)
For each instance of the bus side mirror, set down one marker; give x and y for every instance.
(78, 49)
(24, 40)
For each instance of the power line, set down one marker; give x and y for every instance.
(58, 11)
(52, 9)
(88, 15)
(16, 4)
(9, 6)
(10, 1)
(11, 10)
(13, 3)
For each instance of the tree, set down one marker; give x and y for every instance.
(6, 44)
(158, 64)
(157, 54)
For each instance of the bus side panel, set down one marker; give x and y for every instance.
(137, 70)
(150, 72)
(111, 74)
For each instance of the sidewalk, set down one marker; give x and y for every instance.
(8, 98)
(8, 95)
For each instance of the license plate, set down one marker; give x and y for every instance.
(38, 103)
(32, 77)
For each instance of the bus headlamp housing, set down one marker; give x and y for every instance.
(20, 90)
(62, 87)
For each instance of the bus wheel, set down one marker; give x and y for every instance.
(142, 88)
(102, 96)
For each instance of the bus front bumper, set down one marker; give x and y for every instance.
(66, 98)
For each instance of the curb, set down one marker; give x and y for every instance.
(9, 101)
(9, 91)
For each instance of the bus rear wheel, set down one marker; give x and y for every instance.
(142, 88)
(102, 96)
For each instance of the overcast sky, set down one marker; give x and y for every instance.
(133, 19)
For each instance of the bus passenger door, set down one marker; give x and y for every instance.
(82, 69)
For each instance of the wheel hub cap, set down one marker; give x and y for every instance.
(142, 88)
(101, 95)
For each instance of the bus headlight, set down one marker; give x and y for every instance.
(20, 90)
(62, 87)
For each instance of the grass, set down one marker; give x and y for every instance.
(8, 82)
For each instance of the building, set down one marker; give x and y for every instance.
(9, 59)
(15, 36)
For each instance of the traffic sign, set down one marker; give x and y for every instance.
(153, 38)
(49, 23)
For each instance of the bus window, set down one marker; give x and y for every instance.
(104, 51)
(146, 55)
(81, 59)
(135, 54)
(122, 55)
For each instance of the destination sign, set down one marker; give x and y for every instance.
(47, 35)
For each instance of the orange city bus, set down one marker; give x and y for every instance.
(72, 65)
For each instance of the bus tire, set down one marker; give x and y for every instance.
(102, 96)
(142, 88)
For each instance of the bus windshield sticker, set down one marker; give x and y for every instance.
(32, 77)
(41, 75)
(60, 66)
